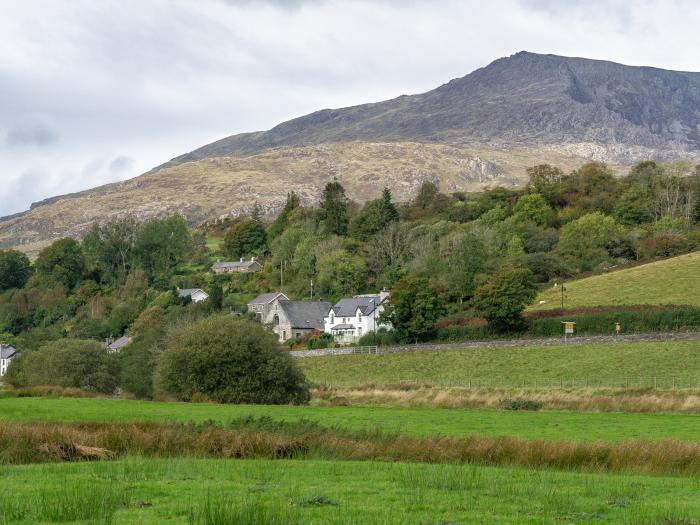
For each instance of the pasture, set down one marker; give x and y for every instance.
(669, 281)
(208, 492)
(416, 422)
(608, 364)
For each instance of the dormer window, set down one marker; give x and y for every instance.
(359, 316)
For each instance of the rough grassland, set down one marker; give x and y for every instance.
(505, 367)
(608, 427)
(186, 491)
(671, 281)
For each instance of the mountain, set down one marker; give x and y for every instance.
(479, 130)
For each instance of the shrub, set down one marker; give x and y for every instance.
(519, 404)
(502, 300)
(229, 360)
(67, 363)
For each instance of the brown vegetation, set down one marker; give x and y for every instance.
(263, 438)
(582, 400)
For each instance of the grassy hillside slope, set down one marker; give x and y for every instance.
(671, 281)
(512, 366)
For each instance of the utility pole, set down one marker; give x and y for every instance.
(563, 289)
(281, 276)
(312, 289)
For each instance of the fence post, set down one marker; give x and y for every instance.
(654, 382)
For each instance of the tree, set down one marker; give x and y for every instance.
(545, 180)
(413, 308)
(162, 244)
(588, 239)
(334, 208)
(63, 261)
(229, 361)
(138, 359)
(502, 300)
(426, 195)
(245, 237)
(15, 269)
(373, 217)
(216, 295)
(109, 248)
(340, 273)
(67, 363)
(465, 258)
(282, 220)
(534, 208)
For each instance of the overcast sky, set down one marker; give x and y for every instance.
(94, 91)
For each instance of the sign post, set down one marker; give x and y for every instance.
(569, 328)
(618, 328)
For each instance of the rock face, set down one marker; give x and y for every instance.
(476, 131)
(628, 112)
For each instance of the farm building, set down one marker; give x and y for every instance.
(241, 266)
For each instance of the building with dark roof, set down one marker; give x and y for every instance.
(351, 318)
(7, 354)
(241, 266)
(292, 319)
(260, 306)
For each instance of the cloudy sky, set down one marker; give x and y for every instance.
(94, 91)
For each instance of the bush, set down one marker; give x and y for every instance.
(381, 338)
(72, 363)
(519, 404)
(229, 360)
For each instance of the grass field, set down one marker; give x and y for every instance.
(671, 281)
(503, 367)
(186, 491)
(609, 427)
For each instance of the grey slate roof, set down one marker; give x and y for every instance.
(234, 264)
(186, 292)
(7, 352)
(265, 298)
(119, 343)
(348, 307)
(305, 314)
(342, 327)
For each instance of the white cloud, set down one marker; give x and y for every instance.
(98, 91)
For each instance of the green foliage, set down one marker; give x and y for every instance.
(216, 295)
(67, 363)
(502, 300)
(373, 217)
(15, 269)
(230, 361)
(545, 180)
(161, 245)
(138, 359)
(334, 209)
(340, 274)
(246, 237)
(282, 220)
(413, 308)
(589, 239)
(110, 249)
(534, 208)
(63, 261)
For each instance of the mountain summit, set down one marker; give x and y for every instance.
(479, 130)
(525, 99)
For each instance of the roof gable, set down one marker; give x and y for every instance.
(305, 314)
(267, 298)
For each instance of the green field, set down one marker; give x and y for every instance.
(186, 491)
(611, 364)
(609, 427)
(670, 281)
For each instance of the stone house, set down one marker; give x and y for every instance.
(196, 294)
(349, 319)
(115, 345)
(241, 266)
(260, 306)
(292, 319)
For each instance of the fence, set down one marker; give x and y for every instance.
(343, 350)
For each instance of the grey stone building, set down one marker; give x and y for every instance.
(292, 319)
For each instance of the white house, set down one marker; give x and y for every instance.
(115, 345)
(350, 319)
(7, 353)
(196, 294)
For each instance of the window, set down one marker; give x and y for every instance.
(284, 335)
(359, 331)
(276, 320)
(332, 319)
(359, 316)
(297, 335)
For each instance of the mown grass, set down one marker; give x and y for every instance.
(608, 427)
(609, 364)
(670, 281)
(246, 492)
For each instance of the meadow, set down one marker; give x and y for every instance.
(416, 422)
(618, 365)
(669, 281)
(212, 492)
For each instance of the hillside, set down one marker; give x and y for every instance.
(670, 281)
(479, 130)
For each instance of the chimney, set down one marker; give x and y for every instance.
(241, 259)
(252, 258)
(383, 294)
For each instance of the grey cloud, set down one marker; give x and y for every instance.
(121, 164)
(30, 134)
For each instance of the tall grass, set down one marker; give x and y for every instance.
(263, 438)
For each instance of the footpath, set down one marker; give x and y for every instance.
(504, 343)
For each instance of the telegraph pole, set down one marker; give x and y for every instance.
(312, 289)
